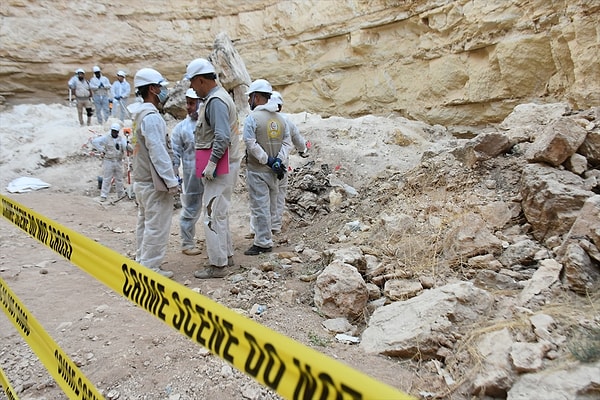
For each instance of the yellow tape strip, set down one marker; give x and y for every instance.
(60, 366)
(10, 392)
(290, 368)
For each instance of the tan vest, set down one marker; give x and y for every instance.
(110, 148)
(82, 89)
(270, 127)
(204, 133)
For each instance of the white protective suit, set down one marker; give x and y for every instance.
(300, 144)
(100, 87)
(218, 129)
(262, 182)
(184, 153)
(155, 206)
(120, 92)
(112, 165)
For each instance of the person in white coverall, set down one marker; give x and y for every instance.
(268, 142)
(120, 91)
(113, 147)
(218, 131)
(184, 153)
(154, 181)
(100, 87)
(299, 143)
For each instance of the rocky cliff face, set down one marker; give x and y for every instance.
(463, 62)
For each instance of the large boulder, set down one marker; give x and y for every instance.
(340, 291)
(551, 199)
(417, 327)
(557, 142)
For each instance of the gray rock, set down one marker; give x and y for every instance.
(528, 357)
(340, 291)
(574, 381)
(552, 199)
(416, 327)
(557, 142)
(496, 375)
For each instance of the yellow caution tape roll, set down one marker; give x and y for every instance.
(290, 368)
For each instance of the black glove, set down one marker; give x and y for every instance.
(279, 169)
(117, 97)
(281, 174)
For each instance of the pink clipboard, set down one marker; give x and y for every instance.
(202, 158)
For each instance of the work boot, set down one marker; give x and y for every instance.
(211, 271)
(256, 250)
(167, 274)
(191, 252)
(230, 262)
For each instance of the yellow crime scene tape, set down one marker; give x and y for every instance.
(293, 370)
(56, 361)
(10, 392)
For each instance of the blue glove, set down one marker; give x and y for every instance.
(276, 166)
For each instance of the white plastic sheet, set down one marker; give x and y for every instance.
(26, 184)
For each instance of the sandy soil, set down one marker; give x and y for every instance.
(125, 351)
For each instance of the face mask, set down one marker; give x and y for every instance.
(163, 95)
(114, 134)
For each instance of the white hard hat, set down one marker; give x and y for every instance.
(96, 68)
(199, 66)
(148, 76)
(115, 127)
(121, 73)
(78, 70)
(260, 85)
(191, 93)
(276, 98)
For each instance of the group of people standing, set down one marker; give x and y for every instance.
(207, 145)
(99, 91)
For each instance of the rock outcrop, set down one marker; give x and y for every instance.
(446, 62)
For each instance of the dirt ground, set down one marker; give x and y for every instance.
(126, 352)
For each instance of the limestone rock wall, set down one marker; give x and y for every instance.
(462, 62)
